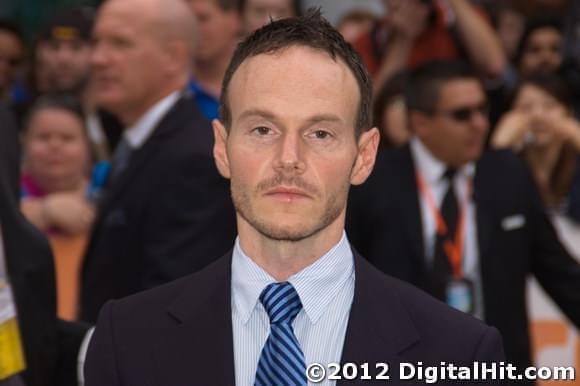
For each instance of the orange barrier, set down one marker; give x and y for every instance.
(68, 255)
(555, 334)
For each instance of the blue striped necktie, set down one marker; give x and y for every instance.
(282, 360)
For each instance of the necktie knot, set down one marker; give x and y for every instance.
(120, 159)
(282, 360)
(281, 302)
(449, 174)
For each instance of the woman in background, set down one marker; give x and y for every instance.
(540, 127)
(56, 167)
(55, 185)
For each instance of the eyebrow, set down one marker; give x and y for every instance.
(258, 112)
(270, 116)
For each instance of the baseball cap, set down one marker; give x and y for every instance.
(69, 24)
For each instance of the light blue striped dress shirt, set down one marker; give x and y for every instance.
(326, 289)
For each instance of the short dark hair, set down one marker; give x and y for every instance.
(310, 30)
(552, 84)
(296, 6)
(58, 101)
(11, 27)
(425, 82)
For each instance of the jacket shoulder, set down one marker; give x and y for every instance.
(501, 162)
(433, 323)
(158, 299)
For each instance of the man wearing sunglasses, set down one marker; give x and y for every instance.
(463, 223)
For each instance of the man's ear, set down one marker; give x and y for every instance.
(368, 143)
(220, 153)
(418, 122)
(176, 53)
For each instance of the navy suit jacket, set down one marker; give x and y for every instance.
(384, 224)
(168, 214)
(181, 333)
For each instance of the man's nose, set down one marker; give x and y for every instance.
(290, 153)
(99, 55)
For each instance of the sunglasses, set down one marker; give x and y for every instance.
(466, 113)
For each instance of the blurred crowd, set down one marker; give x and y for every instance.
(113, 106)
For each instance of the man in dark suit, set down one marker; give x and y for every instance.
(292, 292)
(395, 218)
(50, 346)
(166, 211)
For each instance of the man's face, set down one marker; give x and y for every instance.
(259, 12)
(455, 132)
(11, 55)
(543, 51)
(218, 30)
(129, 62)
(67, 63)
(291, 151)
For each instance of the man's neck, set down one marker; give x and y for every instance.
(130, 116)
(282, 259)
(433, 155)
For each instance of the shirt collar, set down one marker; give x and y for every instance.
(316, 284)
(137, 134)
(430, 167)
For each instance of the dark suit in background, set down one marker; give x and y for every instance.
(168, 214)
(181, 333)
(384, 223)
(51, 346)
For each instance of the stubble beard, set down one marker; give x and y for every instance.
(243, 203)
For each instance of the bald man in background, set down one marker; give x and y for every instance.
(165, 211)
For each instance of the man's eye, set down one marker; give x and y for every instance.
(262, 130)
(119, 42)
(321, 134)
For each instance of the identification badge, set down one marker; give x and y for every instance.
(459, 295)
(11, 351)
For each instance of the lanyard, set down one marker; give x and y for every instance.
(453, 247)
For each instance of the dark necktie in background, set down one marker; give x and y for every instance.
(442, 272)
(282, 360)
(120, 160)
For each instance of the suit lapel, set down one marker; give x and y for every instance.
(199, 347)
(19, 258)
(379, 328)
(170, 122)
(483, 218)
(484, 223)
